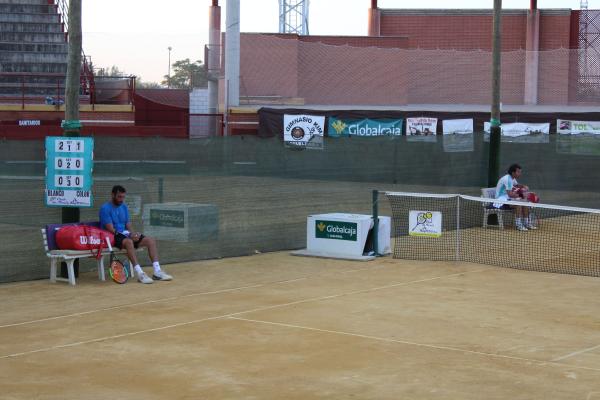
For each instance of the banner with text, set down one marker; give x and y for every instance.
(457, 126)
(303, 131)
(421, 126)
(567, 127)
(521, 129)
(421, 129)
(364, 127)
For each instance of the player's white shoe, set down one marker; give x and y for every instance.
(143, 278)
(161, 276)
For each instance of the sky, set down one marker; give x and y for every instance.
(134, 35)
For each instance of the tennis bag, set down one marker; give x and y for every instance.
(83, 237)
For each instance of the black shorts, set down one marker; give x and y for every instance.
(119, 237)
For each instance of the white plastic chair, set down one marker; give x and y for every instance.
(489, 209)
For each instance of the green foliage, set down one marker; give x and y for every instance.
(186, 75)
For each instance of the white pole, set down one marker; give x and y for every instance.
(232, 52)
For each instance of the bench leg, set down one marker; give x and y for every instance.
(71, 271)
(101, 275)
(53, 263)
(500, 221)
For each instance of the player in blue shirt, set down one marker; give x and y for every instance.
(114, 217)
(509, 189)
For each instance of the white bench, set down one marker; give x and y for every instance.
(69, 256)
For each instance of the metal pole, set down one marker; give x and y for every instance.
(494, 152)
(376, 222)
(161, 189)
(71, 124)
(169, 70)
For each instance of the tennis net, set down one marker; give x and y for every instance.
(451, 227)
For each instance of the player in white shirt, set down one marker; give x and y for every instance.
(508, 189)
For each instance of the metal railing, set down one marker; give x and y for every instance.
(26, 88)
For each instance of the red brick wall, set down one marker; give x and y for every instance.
(459, 32)
(288, 66)
(555, 31)
(462, 30)
(346, 75)
(268, 66)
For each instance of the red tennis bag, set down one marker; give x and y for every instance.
(83, 237)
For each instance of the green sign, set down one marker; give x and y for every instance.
(170, 218)
(364, 127)
(336, 230)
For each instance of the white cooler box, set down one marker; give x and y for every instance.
(339, 235)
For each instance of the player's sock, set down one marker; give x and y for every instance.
(138, 269)
(156, 266)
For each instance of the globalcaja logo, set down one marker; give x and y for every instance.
(339, 126)
(170, 218)
(336, 230)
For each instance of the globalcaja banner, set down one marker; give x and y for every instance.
(303, 131)
(567, 127)
(364, 127)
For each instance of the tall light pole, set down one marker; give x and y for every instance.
(169, 73)
(495, 130)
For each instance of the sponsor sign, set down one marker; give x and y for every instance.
(336, 230)
(303, 131)
(30, 122)
(69, 164)
(421, 126)
(425, 223)
(364, 127)
(457, 126)
(520, 129)
(568, 127)
(170, 218)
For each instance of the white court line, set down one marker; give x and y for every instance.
(264, 308)
(135, 304)
(576, 353)
(429, 346)
(166, 299)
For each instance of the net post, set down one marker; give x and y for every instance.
(457, 228)
(375, 222)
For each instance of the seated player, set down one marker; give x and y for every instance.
(114, 217)
(509, 189)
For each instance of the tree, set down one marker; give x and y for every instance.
(186, 75)
(111, 71)
(115, 71)
(141, 84)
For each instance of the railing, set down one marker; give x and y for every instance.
(23, 88)
(87, 68)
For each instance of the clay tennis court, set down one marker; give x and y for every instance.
(274, 326)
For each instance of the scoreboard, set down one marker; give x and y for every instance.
(69, 165)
